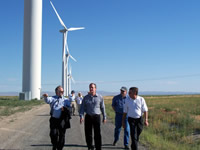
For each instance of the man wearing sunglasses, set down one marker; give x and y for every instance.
(59, 120)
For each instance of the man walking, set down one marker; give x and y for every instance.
(93, 106)
(117, 105)
(73, 102)
(134, 108)
(59, 120)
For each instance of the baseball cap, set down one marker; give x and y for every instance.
(123, 88)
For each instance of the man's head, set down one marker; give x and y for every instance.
(123, 91)
(72, 92)
(59, 90)
(133, 92)
(92, 88)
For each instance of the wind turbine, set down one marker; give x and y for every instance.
(65, 57)
(70, 78)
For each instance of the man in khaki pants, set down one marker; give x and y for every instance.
(73, 102)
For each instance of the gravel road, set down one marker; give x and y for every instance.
(30, 130)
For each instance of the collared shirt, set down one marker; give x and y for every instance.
(118, 103)
(72, 98)
(79, 100)
(135, 107)
(93, 105)
(56, 103)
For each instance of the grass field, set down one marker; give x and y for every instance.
(174, 122)
(11, 104)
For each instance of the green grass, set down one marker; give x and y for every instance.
(174, 122)
(11, 104)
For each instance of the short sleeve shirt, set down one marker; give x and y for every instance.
(135, 107)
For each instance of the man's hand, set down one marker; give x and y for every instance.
(45, 95)
(146, 123)
(104, 121)
(81, 120)
(123, 125)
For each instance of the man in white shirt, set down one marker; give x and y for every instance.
(134, 108)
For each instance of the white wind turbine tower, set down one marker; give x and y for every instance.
(65, 56)
(32, 41)
(70, 78)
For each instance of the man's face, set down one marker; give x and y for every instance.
(60, 92)
(131, 94)
(92, 89)
(123, 93)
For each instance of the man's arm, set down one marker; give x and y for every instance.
(47, 99)
(103, 110)
(146, 123)
(113, 103)
(123, 120)
(82, 109)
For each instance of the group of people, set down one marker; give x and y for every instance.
(129, 109)
(75, 101)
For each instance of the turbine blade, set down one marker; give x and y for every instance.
(70, 69)
(72, 58)
(73, 29)
(64, 47)
(67, 48)
(73, 80)
(61, 22)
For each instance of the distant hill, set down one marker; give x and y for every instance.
(105, 93)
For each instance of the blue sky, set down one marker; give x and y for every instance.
(151, 44)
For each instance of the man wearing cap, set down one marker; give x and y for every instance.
(118, 102)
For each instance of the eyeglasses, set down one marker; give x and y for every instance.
(61, 91)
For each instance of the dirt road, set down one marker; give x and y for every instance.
(30, 130)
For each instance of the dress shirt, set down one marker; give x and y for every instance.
(72, 98)
(118, 103)
(56, 103)
(93, 105)
(135, 107)
(79, 100)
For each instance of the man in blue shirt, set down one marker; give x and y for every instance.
(93, 105)
(58, 122)
(117, 105)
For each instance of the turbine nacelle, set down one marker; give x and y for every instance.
(64, 54)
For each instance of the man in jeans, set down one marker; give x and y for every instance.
(117, 105)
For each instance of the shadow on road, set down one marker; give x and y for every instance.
(110, 146)
(104, 146)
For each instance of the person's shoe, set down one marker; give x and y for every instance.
(114, 143)
(91, 148)
(54, 148)
(126, 147)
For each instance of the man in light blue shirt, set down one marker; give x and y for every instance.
(73, 102)
(58, 123)
(93, 106)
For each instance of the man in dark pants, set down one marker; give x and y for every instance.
(60, 115)
(134, 107)
(93, 105)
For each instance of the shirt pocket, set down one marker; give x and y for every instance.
(97, 102)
